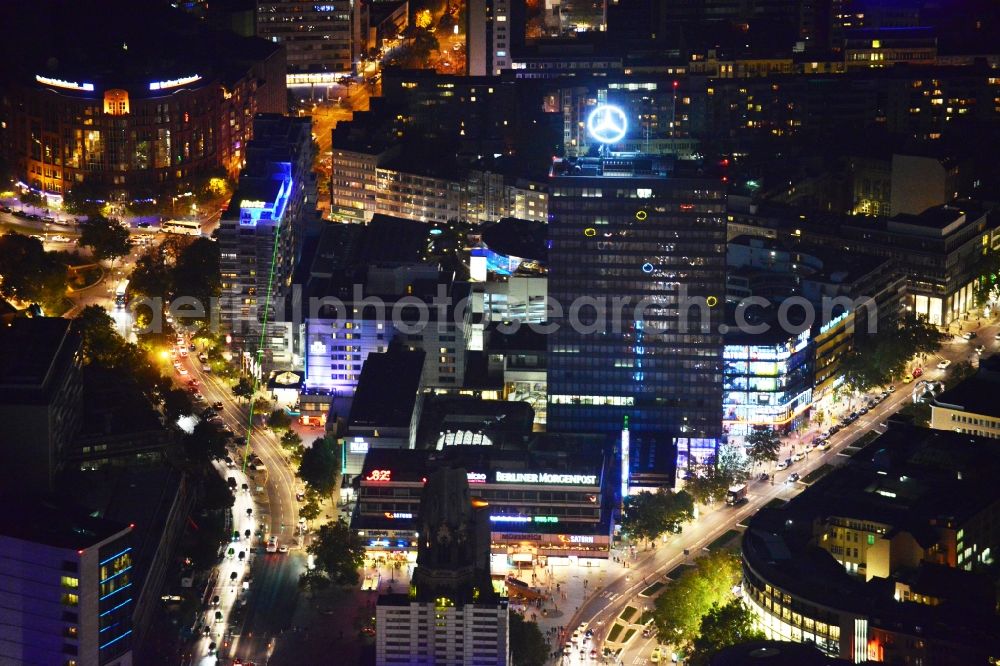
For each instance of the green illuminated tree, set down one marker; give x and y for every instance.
(722, 626)
(682, 605)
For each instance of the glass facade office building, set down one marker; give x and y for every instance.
(637, 264)
(766, 384)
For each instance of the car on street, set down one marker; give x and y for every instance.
(199, 396)
(656, 655)
(943, 365)
(823, 446)
(969, 335)
(917, 372)
(272, 545)
(183, 371)
(217, 405)
(282, 549)
(799, 456)
(907, 378)
(980, 349)
(793, 477)
(784, 464)
(997, 336)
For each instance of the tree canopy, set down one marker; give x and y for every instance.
(709, 483)
(319, 466)
(338, 553)
(763, 445)
(108, 238)
(883, 356)
(527, 644)
(723, 626)
(29, 274)
(682, 604)
(648, 515)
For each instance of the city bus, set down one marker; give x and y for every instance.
(187, 227)
(121, 295)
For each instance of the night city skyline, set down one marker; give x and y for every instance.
(499, 332)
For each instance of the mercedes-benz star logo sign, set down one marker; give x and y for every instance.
(607, 124)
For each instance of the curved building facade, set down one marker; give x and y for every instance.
(146, 111)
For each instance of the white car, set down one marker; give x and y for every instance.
(799, 456)
(943, 365)
(782, 465)
(183, 371)
(272, 545)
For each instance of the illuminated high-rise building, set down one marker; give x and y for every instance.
(260, 237)
(67, 586)
(321, 37)
(637, 267)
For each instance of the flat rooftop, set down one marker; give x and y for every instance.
(978, 394)
(31, 351)
(52, 524)
(387, 389)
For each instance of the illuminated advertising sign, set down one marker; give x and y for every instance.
(379, 475)
(398, 516)
(607, 124)
(475, 477)
(510, 519)
(358, 445)
(69, 85)
(576, 538)
(173, 83)
(556, 479)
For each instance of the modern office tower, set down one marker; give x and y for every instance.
(260, 237)
(488, 29)
(637, 267)
(66, 593)
(451, 616)
(41, 398)
(319, 37)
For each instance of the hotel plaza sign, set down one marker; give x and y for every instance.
(546, 478)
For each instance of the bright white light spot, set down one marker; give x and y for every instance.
(607, 124)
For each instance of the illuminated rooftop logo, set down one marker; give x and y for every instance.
(607, 124)
(59, 83)
(173, 83)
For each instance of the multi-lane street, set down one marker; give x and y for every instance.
(273, 588)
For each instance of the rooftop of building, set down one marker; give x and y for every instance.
(584, 456)
(514, 237)
(500, 421)
(129, 45)
(54, 523)
(772, 653)
(976, 394)
(113, 405)
(910, 479)
(387, 389)
(32, 350)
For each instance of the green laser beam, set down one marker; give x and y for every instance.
(260, 342)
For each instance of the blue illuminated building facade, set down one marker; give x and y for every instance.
(767, 382)
(260, 238)
(67, 589)
(628, 231)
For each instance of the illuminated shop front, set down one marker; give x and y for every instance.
(766, 385)
(536, 513)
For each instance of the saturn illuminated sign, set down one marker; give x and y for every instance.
(607, 124)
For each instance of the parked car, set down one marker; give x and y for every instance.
(907, 378)
(980, 349)
(800, 455)
(793, 477)
(784, 464)
(943, 365)
(917, 372)
(217, 405)
(970, 335)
